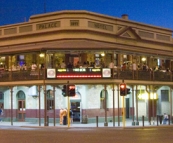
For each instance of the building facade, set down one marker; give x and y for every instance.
(95, 53)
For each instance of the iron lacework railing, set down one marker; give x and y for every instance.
(25, 75)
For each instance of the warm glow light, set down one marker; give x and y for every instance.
(102, 54)
(122, 86)
(143, 96)
(41, 55)
(146, 96)
(143, 59)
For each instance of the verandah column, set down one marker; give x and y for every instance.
(133, 122)
(118, 93)
(39, 120)
(171, 104)
(11, 90)
(105, 123)
(45, 94)
(54, 109)
(113, 89)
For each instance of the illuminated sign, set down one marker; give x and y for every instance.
(80, 69)
(51, 73)
(79, 73)
(61, 70)
(79, 76)
(106, 72)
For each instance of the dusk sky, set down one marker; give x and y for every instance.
(153, 12)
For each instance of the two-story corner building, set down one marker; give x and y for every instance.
(95, 53)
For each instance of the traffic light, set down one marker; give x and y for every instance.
(128, 91)
(123, 89)
(71, 89)
(64, 90)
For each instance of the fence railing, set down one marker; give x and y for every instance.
(24, 75)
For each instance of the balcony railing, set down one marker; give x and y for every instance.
(25, 75)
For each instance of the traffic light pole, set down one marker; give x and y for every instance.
(123, 111)
(68, 118)
(68, 105)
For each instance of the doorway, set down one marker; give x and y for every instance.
(75, 107)
(21, 106)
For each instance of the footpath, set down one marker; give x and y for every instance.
(78, 124)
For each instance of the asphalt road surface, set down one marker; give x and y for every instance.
(85, 135)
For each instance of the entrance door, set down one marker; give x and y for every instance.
(152, 107)
(75, 107)
(21, 106)
(21, 110)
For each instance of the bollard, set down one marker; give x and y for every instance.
(169, 119)
(47, 121)
(96, 121)
(157, 119)
(143, 121)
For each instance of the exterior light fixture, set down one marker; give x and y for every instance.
(35, 96)
(41, 55)
(143, 59)
(102, 54)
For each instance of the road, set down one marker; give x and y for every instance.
(85, 135)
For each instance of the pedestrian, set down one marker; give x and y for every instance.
(61, 116)
(165, 118)
(134, 67)
(1, 113)
(63, 65)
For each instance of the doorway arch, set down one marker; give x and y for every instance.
(21, 105)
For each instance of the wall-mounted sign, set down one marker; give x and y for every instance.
(102, 26)
(106, 72)
(48, 25)
(51, 73)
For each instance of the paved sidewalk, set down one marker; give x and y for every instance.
(78, 124)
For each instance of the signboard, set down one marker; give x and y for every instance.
(51, 73)
(106, 73)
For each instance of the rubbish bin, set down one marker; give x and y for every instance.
(64, 120)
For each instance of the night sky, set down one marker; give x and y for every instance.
(153, 12)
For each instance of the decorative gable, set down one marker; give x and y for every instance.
(128, 32)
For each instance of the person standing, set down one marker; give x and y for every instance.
(134, 67)
(165, 118)
(1, 113)
(61, 116)
(63, 65)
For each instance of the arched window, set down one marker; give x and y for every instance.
(103, 99)
(50, 100)
(21, 95)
